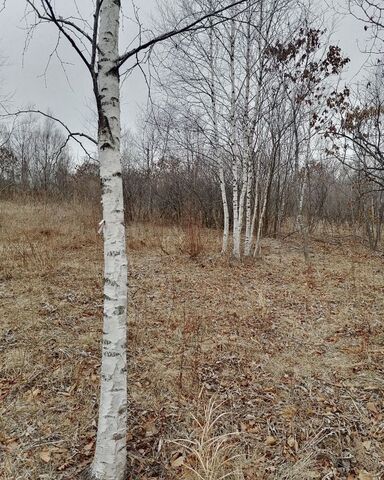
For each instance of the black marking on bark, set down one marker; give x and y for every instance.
(118, 436)
(116, 174)
(104, 126)
(112, 283)
(104, 188)
(107, 342)
(114, 253)
(107, 297)
(111, 354)
(105, 146)
(119, 310)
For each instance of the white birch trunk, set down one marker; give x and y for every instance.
(257, 251)
(248, 137)
(235, 157)
(248, 212)
(249, 237)
(300, 214)
(242, 199)
(216, 153)
(224, 247)
(110, 456)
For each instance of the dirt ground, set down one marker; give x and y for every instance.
(268, 369)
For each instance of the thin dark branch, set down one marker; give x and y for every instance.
(197, 24)
(74, 135)
(95, 32)
(50, 16)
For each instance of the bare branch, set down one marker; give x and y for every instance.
(95, 32)
(196, 25)
(76, 136)
(62, 25)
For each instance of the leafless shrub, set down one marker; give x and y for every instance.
(192, 241)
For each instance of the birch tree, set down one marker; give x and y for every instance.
(97, 45)
(217, 157)
(223, 76)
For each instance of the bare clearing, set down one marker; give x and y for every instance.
(292, 355)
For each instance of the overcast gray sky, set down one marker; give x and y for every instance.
(71, 98)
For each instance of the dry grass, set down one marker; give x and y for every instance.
(292, 354)
(206, 455)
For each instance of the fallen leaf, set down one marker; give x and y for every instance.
(364, 475)
(12, 446)
(88, 448)
(178, 461)
(289, 412)
(249, 426)
(372, 407)
(36, 392)
(64, 466)
(151, 429)
(45, 455)
(293, 443)
(270, 440)
(367, 445)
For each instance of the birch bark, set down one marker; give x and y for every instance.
(300, 215)
(249, 238)
(248, 137)
(218, 158)
(110, 456)
(235, 157)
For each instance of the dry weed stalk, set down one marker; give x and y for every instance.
(192, 242)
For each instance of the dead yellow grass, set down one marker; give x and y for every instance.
(293, 355)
